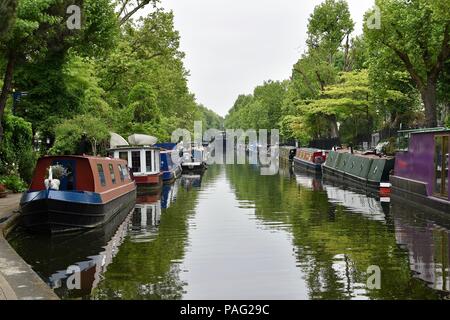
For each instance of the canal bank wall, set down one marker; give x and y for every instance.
(18, 281)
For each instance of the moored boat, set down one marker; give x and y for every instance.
(194, 159)
(310, 159)
(368, 171)
(421, 173)
(143, 159)
(144, 162)
(171, 170)
(70, 193)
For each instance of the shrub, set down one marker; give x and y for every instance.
(16, 150)
(2, 188)
(13, 183)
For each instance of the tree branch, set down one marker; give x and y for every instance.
(308, 83)
(443, 55)
(408, 64)
(139, 6)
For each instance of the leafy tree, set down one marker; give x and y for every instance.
(16, 149)
(262, 110)
(7, 12)
(71, 133)
(40, 36)
(417, 33)
(142, 101)
(329, 25)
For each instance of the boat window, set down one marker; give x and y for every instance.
(101, 174)
(136, 161)
(149, 160)
(123, 155)
(122, 177)
(112, 173)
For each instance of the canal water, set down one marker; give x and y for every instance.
(234, 234)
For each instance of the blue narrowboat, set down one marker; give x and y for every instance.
(170, 167)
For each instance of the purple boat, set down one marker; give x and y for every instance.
(421, 168)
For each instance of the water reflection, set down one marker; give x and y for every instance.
(426, 237)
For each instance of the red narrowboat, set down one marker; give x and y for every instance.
(76, 192)
(310, 159)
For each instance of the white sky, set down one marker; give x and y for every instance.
(232, 46)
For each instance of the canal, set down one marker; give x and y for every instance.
(234, 234)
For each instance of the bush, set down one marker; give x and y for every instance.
(2, 188)
(16, 150)
(13, 183)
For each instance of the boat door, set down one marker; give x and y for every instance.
(67, 181)
(441, 165)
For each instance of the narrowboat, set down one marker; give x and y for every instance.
(421, 172)
(363, 170)
(310, 159)
(143, 159)
(69, 193)
(194, 159)
(170, 162)
(287, 153)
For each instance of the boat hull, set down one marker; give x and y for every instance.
(308, 166)
(415, 192)
(358, 171)
(57, 212)
(171, 176)
(153, 181)
(193, 167)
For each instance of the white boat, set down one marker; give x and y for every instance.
(194, 159)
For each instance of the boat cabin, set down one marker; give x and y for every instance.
(311, 155)
(141, 160)
(81, 173)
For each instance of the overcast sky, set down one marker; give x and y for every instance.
(232, 46)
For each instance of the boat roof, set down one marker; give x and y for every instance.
(79, 157)
(426, 130)
(310, 149)
(134, 148)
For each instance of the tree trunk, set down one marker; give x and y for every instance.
(334, 130)
(346, 55)
(6, 89)
(429, 100)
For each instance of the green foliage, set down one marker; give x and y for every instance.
(7, 12)
(415, 34)
(13, 183)
(71, 133)
(262, 110)
(211, 120)
(16, 149)
(328, 26)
